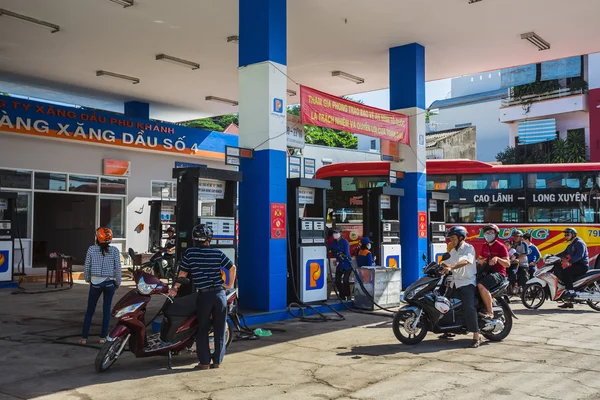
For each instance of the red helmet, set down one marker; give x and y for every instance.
(492, 227)
(104, 235)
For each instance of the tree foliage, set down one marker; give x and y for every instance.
(217, 124)
(327, 136)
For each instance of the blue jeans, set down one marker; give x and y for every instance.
(211, 303)
(107, 289)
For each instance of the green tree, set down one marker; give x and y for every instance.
(575, 146)
(508, 156)
(327, 136)
(204, 123)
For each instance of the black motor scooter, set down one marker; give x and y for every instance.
(422, 314)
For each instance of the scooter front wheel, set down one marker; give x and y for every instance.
(533, 296)
(403, 327)
(108, 354)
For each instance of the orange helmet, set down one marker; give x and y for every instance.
(104, 235)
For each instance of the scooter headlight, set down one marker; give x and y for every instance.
(129, 309)
(145, 288)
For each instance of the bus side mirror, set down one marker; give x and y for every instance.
(445, 256)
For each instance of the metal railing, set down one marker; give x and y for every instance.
(555, 94)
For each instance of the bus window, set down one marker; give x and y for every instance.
(492, 181)
(471, 213)
(441, 182)
(561, 215)
(554, 180)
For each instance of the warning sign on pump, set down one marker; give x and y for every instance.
(422, 225)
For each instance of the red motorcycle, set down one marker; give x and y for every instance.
(178, 328)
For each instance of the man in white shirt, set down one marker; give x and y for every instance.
(464, 273)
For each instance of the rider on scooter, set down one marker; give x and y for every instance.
(575, 262)
(522, 265)
(464, 272)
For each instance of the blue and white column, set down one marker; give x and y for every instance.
(137, 109)
(407, 96)
(262, 113)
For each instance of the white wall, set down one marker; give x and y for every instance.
(492, 135)
(364, 143)
(545, 109)
(476, 83)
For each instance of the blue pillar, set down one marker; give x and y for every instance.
(137, 109)
(262, 112)
(407, 96)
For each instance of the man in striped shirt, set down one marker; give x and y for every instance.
(204, 264)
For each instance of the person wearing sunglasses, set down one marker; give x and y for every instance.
(575, 262)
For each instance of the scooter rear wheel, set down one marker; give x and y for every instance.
(228, 337)
(108, 354)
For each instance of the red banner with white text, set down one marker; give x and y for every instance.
(328, 111)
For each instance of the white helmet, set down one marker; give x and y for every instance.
(442, 304)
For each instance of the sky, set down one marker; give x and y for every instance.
(434, 90)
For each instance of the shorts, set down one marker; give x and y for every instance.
(492, 280)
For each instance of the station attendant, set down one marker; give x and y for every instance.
(364, 257)
(171, 242)
(340, 248)
(102, 270)
(204, 264)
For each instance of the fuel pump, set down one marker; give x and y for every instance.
(381, 221)
(437, 227)
(197, 183)
(162, 216)
(7, 251)
(307, 282)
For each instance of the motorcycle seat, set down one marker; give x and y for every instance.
(589, 273)
(499, 287)
(184, 306)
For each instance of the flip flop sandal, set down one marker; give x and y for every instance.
(82, 341)
(486, 315)
(101, 341)
(475, 343)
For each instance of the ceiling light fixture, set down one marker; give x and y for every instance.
(124, 3)
(536, 40)
(54, 27)
(118, 76)
(234, 39)
(352, 78)
(291, 92)
(179, 61)
(221, 100)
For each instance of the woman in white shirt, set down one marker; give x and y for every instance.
(464, 273)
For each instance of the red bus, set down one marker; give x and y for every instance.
(540, 199)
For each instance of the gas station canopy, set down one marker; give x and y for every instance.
(352, 36)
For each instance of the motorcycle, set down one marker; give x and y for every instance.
(177, 331)
(546, 285)
(427, 310)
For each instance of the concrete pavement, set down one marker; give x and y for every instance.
(551, 354)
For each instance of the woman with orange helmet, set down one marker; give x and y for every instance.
(102, 270)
